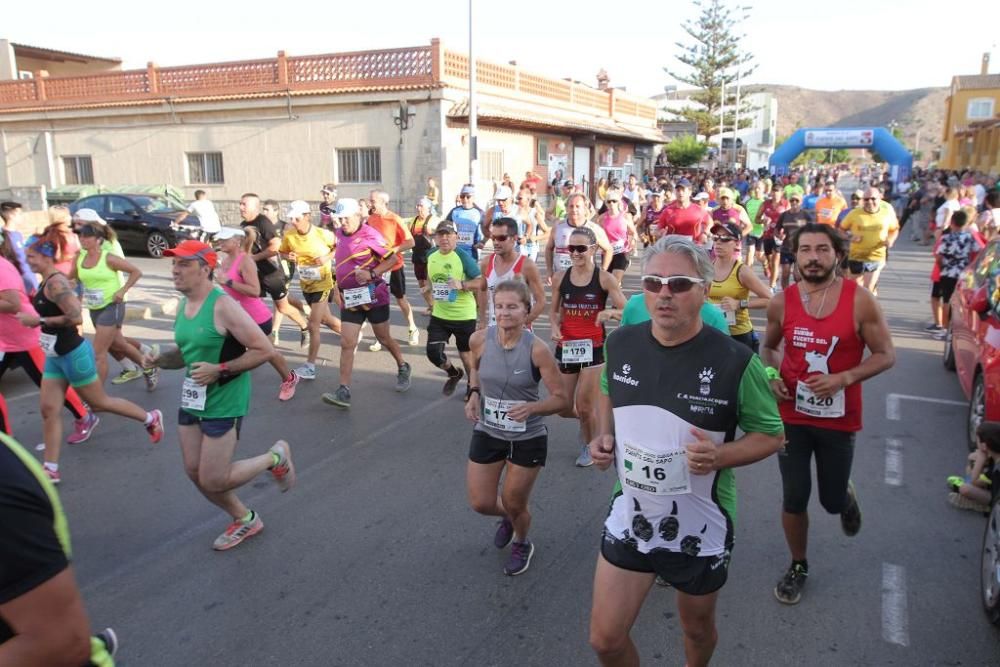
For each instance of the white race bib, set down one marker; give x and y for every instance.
(311, 273)
(662, 474)
(93, 298)
(193, 395)
(808, 403)
(618, 247)
(465, 238)
(440, 291)
(495, 415)
(357, 296)
(730, 317)
(578, 351)
(563, 261)
(48, 344)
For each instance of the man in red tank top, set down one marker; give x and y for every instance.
(825, 323)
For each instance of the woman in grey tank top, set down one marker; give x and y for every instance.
(508, 362)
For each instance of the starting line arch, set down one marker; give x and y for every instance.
(875, 138)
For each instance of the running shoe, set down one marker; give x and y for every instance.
(288, 387)
(306, 372)
(504, 534)
(127, 376)
(238, 531)
(933, 327)
(520, 558)
(83, 428)
(955, 483)
(152, 375)
(850, 518)
(341, 398)
(155, 429)
(414, 336)
(584, 460)
(109, 638)
(375, 347)
(303, 337)
(789, 589)
(452, 382)
(963, 503)
(403, 377)
(53, 475)
(283, 471)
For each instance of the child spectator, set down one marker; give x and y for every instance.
(974, 491)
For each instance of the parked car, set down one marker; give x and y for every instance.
(143, 222)
(972, 343)
(990, 559)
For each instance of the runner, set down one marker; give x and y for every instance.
(671, 438)
(825, 324)
(787, 225)
(60, 233)
(557, 255)
(730, 212)
(19, 346)
(42, 617)
(422, 228)
(10, 214)
(732, 283)
(395, 231)
(684, 216)
(272, 211)
(531, 219)
(509, 437)
(582, 292)
(830, 205)
(468, 219)
(872, 230)
(503, 265)
(651, 212)
(362, 258)
(237, 276)
(218, 344)
(69, 358)
(328, 194)
(622, 236)
(753, 246)
(272, 278)
(311, 248)
(455, 278)
(768, 216)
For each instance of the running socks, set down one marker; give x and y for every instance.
(129, 365)
(54, 467)
(275, 459)
(150, 417)
(804, 564)
(248, 518)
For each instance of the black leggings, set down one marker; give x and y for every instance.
(33, 363)
(834, 454)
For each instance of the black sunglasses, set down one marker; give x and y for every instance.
(579, 249)
(500, 238)
(723, 239)
(676, 284)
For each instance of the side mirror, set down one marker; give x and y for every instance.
(978, 301)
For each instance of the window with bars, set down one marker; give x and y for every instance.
(359, 165)
(543, 151)
(205, 168)
(491, 165)
(78, 170)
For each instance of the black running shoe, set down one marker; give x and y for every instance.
(789, 589)
(452, 382)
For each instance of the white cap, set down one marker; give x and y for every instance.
(297, 209)
(503, 193)
(701, 196)
(346, 208)
(89, 215)
(424, 201)
(230, 233)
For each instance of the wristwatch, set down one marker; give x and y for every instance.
(229, 283)
(224, 371)
(744, 303)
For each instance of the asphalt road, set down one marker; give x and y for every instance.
(374, 558)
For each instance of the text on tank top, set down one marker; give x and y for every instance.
(580, 306)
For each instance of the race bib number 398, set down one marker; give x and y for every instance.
(659, 473)
(193, 395)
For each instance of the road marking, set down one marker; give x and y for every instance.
(893, 462)
(894, 621)
(892, 402)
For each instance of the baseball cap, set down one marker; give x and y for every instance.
(329, 188)
(701, 196)
(724, 192)
(346, 208)
(568, 184)
(727, 228)
(424, 201)
(446, 227)
(88, 215)
(467, 190)
(683, 183)
(296, 209)
(656, 193)
(830, 181)
(503, 193)
(229, 233)
(193, 249)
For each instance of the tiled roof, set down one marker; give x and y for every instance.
(976, 81)
(41, 52)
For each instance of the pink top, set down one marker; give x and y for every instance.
(69, 255)
(617, 232)
(13, 336)
(254, 305)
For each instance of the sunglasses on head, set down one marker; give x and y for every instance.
(578, 249)
(676, 284)
(500, 238)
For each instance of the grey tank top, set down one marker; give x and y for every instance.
(507, 377)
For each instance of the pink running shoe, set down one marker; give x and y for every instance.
(288, 387)
(83, 428)
(155, 429)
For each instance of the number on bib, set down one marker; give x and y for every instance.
(730, 317)
(658, 473)
(563, 261)
(193, 395)
(48, 344)
(578, 351)
(440, 291)
(810, 404)
(465, 238)
(496, 415)
(93, 298)
(618, 247)
(310, 273)
(357, 296)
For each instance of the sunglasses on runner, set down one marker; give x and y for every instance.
(723, 239)
(676, 284)
(578, 249)
(500, 238)
(611, 201)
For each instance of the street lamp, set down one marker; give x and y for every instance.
(473, 147)
(740, 61)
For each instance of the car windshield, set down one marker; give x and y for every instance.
(154, 204)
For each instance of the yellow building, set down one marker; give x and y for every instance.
(972, 123)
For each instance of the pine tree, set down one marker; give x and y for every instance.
(714, 58)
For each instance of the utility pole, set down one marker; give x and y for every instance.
(473, 144)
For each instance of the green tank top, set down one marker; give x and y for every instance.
(100, 282)
(199, 340)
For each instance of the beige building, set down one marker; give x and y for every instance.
(283, 126)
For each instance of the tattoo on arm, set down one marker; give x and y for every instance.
(65, 298)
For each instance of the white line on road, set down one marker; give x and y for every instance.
(892, 402)
(893, 462)
(894, 621)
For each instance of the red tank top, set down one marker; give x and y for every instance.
(828, 345)
(580, 306)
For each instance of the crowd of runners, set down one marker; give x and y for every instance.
(675, 397)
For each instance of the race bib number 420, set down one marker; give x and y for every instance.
(659, 473)
(810, 404)
(193, 395)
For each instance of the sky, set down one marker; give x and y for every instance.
(849, 44)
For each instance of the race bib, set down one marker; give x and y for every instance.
(563, 261)
(578, 351)
(357, 296)
(618, 247)
(495, 415)
(93, 298)
(465, 238)
(48, 344)
(808, 403)
(440, 291)
(730, 317)
(662, 474)
(311, 273)
(193, 395)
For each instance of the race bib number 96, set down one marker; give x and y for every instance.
(357, 296)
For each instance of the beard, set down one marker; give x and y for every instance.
(816, 278)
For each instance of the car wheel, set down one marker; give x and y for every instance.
(977, 409)
(991, 564)
(156, 244)
(948, 358)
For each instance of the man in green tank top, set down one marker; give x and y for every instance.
(218, 344)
